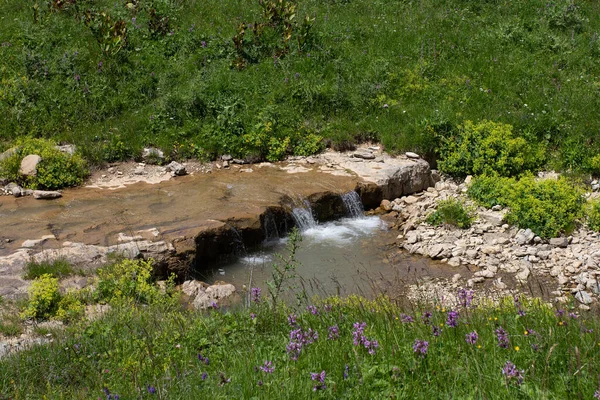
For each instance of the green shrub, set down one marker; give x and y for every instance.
(127, 280)
(547, 207)
(58, 269)
(490, 190)
(55, 171)
(70, 308)
(593, 214)
(43, 298)
(488, 148)
(451, 212)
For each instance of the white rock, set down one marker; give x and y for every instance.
(583, 297)
(29, 165)
(410, 154)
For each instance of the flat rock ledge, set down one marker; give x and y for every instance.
(497, 250)
(377, 175)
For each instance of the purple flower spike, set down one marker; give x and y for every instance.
(420, 347)
(511, 372)
(471, 338)
(452, 320)
(255, 294)
(503, 340)
(320, 378)
(267, 367)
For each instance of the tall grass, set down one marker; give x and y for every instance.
(163, 351)
(402, 72)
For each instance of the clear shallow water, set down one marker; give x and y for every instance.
(351, 255)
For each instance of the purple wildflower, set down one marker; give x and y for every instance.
(597, 394)
(204, 376)
(293, 349)
(267, 367)
(358, 333)
(252, 316)
(77, 78)
(203, 359)
(452, 320)
(573, 315)
(426, 317)
(106, 391)
(320, 378)
(299, 339)
(420, 347)
(503, 340)
(214, 305)
(151, 389)
(559, 313)
(259, 383)
(313, 310)
(346, 371)
(334, 332)
(535, 346)
(327, 308)
(203, 44)
(100, 64)
(436, 331)
(510, 372)
(255, 294)
(471, 338)
(292, 320)
(466, 297)
(521, 313)
(407, 319)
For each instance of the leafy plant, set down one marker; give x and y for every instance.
(128, 281)
(593, 214)
(284, 272)
(56, 169)
(488, 148)
(44, 298)
(451, 212)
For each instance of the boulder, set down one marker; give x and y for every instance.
(365, 155)
(226, 157)
(212, 295)
(29, 165)
(583, 297)
(524, 236)
(67, 149)
(176, 169)
(8, 153)
(46, 194)
(152, 154)
(386, 205)
(562, 242)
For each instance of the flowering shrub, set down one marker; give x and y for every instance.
(451, 212)
(43, 298)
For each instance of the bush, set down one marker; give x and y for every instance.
(43, 298)
(488, 148)
(55, 171)
(547, 207)
(57, 269)
(593, 215)
(451, 212)
(128, 280)
(70, 308)
(490, 190)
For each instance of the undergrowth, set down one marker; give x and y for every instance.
(269, 78)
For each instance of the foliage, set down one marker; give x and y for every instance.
(245, 353)
(451, 212)
(548, 207)
(488, 148)
(10, 328)
(43, 298)
(160, 73)
(70, 308)
(58, 268)
(56, 169)
(593, 214)
(127, 281)
(283, 273)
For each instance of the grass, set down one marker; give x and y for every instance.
(59, 268)
(163, 351)
(405, 73)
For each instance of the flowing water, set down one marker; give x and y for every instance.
(355, 254)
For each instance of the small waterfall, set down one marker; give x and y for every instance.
(270, 227)
(303, 217)
(353, 204)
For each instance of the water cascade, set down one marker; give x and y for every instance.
(353, 204)
(303, 217)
